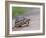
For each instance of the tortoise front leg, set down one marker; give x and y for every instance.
(27, 23)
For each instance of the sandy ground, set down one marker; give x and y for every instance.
(33, 25)
(34, 22)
